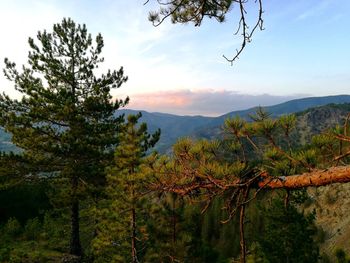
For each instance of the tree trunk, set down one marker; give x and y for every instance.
(340, 174)
(241, 226)
(286, 199)
(75, 246)
(174, 221)
(133, 236)
(315, 178)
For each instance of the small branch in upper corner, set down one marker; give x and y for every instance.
(184, 11)
(243, 27)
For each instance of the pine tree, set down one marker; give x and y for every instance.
(254, 157)
(65, 122)
(12, 168)
(166, 225)
(121, 230)
(288, 235)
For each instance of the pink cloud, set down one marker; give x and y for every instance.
(159, 100)
(202, 102)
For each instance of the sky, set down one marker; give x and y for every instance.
(303, 51)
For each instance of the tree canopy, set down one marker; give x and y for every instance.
(121, 230)
(255, 156)
(65, 122)
(67, 130)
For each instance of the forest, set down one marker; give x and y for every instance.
(84, 184)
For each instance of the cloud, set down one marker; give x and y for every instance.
(202, 102)
(316, 10)
(150, 56)
(184, 57)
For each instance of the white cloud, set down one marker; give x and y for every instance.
(315, 9)
(20, 20)
(173, 57)
(130, 39)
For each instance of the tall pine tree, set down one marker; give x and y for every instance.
(65, 121)
(121, 229)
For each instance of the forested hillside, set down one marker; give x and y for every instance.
(174, 127)
(87, 185)
(312, 119)
(200, 237)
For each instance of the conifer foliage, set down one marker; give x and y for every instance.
(287, 236)
(121, 231)
(65, 120)
(254, 157)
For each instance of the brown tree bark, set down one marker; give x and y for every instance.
(340, 174)
(241, 226)
(315, 178)
(173, 217)
(133, 237)
(75, 245)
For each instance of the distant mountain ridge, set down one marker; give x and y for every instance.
(289, 107)
(175, 126)
(172, 126)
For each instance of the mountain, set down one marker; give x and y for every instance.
(314, 115)
(174, 127)
(213, 128)
(293, 106)
(329, 203)
(318, 119)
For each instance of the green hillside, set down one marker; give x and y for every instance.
(174, 127)
(328, 202)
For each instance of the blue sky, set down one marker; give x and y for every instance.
(303, 51)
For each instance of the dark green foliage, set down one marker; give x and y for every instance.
(65, 117)
(288, 235)
(176, 232)
(32, 229)
(341, 256)
(210, 171)
(4, 254)
(35, 241)
(224, 238)
(198, 248)
(121, 232)
(325, 258)
(191, 11)
(13, 167)
(165, 225)
(12, 228)
(28, 200)
(65, 122)
(67, 130)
